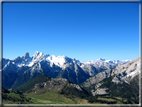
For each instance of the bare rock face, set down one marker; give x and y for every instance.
(98, 77)
(99, 91)
(26, 55)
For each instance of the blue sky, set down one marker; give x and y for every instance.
(85, 31)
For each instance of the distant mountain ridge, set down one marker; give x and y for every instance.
(25, 68)
(60, 61)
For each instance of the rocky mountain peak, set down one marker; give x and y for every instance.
(101, 59)
(36, 53)
(26, 55)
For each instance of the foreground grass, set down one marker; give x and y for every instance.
(53, 97)
(49, 98)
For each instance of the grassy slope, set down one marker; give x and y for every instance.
(49, 98)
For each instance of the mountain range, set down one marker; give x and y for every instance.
(20, 70)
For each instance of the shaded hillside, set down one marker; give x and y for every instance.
(14, 97)
(12, 78)
(31, 83)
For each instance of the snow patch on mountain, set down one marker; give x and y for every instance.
(59, 61)
(134, 69)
